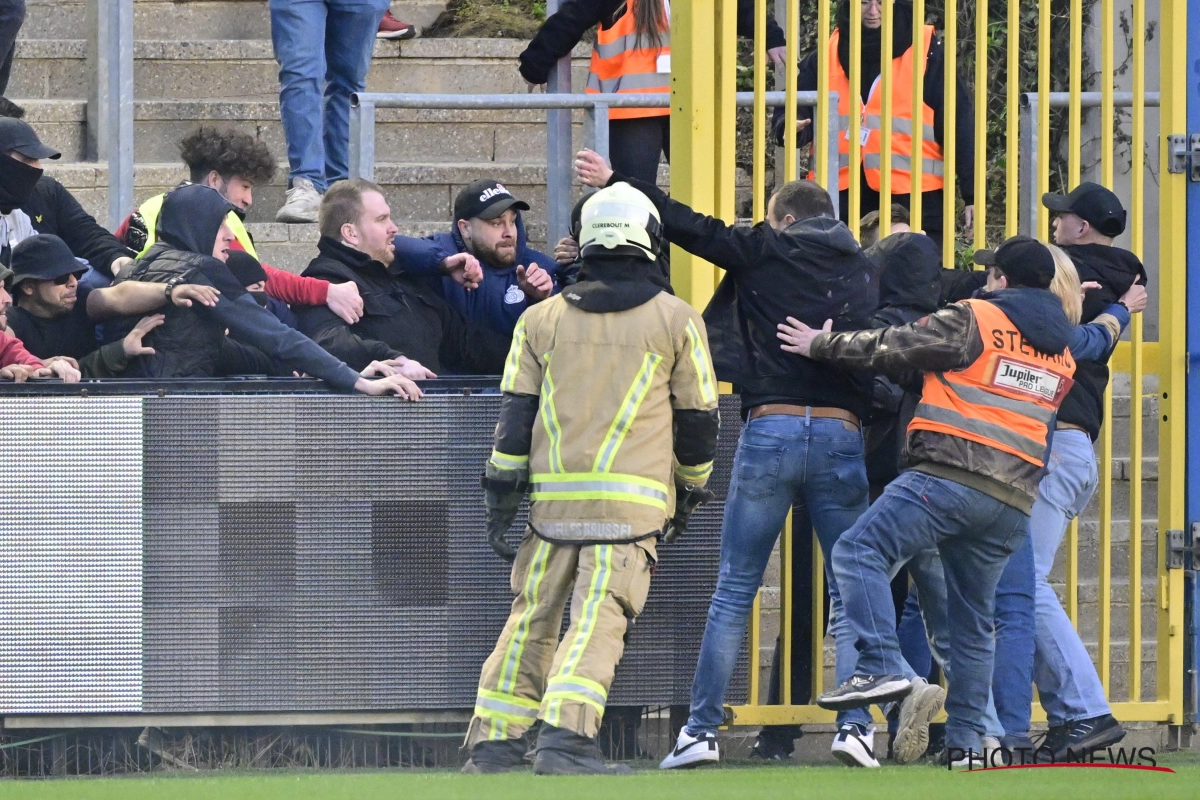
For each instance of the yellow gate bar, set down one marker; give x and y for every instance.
(790, 86)
(1013, 85)
(1043, 123)
(786, 543)
(725, 114)
(759, 178)
(917, 159)
(820, 124)
(981, 109)
(885, 120)
(950, 136)
(1137, 180)
(1172, 361)
(818, 619)
(1075, 124)
(855, 106)
(1107, 112)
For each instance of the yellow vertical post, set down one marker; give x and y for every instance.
(786, 543)
(981, 128)
(755, 649)
(1137, 178)
(1107, 113)
(725, 110)
(1172, 352)
(1075, 123)
(759, 178)
(885, 120)
(820, 127)
(1072, 565)
(1043, 123)
(1012, 204)
(916, 157)
(855, 106)
(950, 137)
(817, 615)
(790, 85)
(693, 134)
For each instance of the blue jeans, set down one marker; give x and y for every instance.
(1068, 685)
(323, 48)
(914, 642)
(1012, 678)
(780, 461)
(975, 534)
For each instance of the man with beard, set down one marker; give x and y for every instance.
(193, 245)
(402, 316)
(483, 267)
(17, 363)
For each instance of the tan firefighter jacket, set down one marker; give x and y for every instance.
(602, 465)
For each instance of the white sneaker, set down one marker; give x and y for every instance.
(691, 751)
(979, 760)
(853, 747)
(917, 710)
(303, 203)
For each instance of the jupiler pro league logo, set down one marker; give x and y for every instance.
(1024, 378)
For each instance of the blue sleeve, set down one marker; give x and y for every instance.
(421, 257)
(252, 324)
(1121, 313)
(1089, 342)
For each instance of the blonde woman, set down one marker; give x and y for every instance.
(1031, 640)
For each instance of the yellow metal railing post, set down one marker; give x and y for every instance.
(981, 109)
(820, 125)
(1075, 124)
(790, 87)
(1137, 177)
(1043, 123)
(885, 120)
(693, 133)
(725, 111)
(758, 202)
(786, 614)
(950, 137)
(817, 612)
(1172, 350)
(855, 105)
(1012, 203)
(915, 195)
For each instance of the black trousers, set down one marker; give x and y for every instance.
(634, 146)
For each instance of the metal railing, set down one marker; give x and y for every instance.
(113, 120)
(363, 107)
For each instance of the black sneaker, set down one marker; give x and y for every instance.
(865, 690)
(1018, 750)
(1086, 735)
(488, 758)
(1051, 742)
(772, 745)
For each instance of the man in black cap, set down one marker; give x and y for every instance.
(32, 202)
(489, 231)
(996, 369)
(55, 316)
(405, 321)
(1085, 224)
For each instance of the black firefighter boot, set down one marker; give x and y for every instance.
(491, 757)
(564, 752)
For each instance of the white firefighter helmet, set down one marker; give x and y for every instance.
(620, 219)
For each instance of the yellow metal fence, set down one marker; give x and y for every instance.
(1104, 555)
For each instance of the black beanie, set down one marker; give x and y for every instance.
(245, 268)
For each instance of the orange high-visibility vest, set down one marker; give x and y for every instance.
(870, 115)
(1006, 399)
(620, 63)
(932, 165)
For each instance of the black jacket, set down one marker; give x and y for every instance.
(813, 271)
(563, 30)
(72, 335)
(53, 209)
(1115, 270)
(402, 315)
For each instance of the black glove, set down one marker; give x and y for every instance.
(687, 499)
(503, 498)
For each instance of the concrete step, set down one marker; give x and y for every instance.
(61, 124)
(189, 20)
(245, 69)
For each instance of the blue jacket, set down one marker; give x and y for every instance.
(498, 302)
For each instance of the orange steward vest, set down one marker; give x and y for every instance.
(1006, 399)
(622, 64)
(871, 116)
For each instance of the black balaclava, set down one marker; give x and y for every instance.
(17, 180)
(902, 33)
(191, 217)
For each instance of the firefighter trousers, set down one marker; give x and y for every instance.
(530, 675)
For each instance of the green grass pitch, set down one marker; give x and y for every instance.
(729, 781)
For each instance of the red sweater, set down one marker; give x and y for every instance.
(12, 351)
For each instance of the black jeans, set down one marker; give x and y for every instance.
(634, 146)
(12, 17)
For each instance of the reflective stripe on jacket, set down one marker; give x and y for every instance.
(870, 115)
(623, 64)
(608, 385)
(1006, 399)
(150, 211)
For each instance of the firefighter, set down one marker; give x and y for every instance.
(996, 369)
(868, 104)
(632, 54)
(609, 419)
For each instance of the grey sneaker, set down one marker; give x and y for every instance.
(303, 203)
(917, 710)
